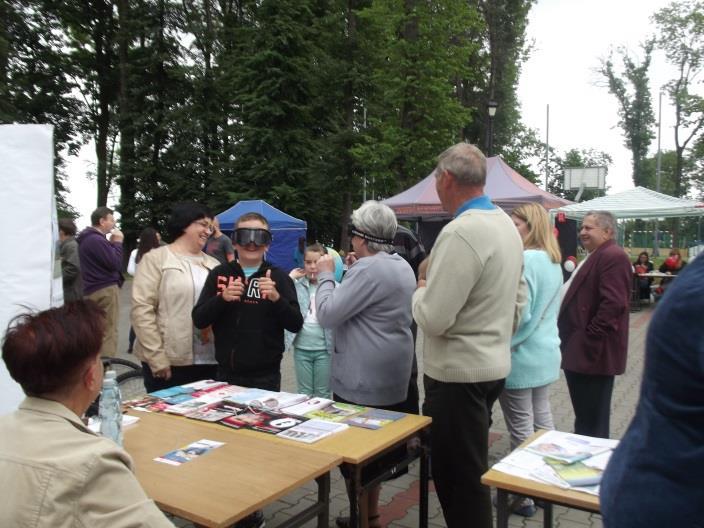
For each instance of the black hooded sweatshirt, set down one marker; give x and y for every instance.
(249, 333)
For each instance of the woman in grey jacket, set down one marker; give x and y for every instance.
(370, 312)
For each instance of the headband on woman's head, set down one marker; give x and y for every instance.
(352, 230)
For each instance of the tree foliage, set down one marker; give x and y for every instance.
(681, 36)
(415, 50)
(496, 67)
(303, 103)
(90, 28)
(37, 82)
(632, 91)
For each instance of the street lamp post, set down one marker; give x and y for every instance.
(656, 241)
(491, 107)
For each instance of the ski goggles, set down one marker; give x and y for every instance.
(353, 231)
(244, 235)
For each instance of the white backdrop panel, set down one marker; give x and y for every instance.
(28, 234)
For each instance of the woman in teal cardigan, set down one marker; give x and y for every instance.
(535, 347)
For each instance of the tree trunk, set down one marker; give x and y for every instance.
(128, 188)
(349, 104)
(160, 89)
(102, 40)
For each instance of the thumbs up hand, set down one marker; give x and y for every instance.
(234, 290)
(268, 288)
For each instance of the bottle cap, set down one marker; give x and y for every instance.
(110, 374)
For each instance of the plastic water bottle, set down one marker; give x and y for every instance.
(110, 410)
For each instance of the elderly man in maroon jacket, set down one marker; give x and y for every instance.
(593, 324)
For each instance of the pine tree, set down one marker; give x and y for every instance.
(36, 81)
(417, 49)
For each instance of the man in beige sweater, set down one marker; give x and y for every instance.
(467, 310)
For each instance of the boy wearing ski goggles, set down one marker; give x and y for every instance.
(247, 235)
(260, 302)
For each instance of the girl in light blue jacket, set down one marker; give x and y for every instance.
(312, 344)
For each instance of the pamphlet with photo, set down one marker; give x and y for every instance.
(189, 452)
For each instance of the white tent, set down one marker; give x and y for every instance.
(635, 203)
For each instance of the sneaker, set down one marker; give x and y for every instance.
(524, 507)
(254, 520)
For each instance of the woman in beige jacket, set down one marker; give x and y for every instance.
(54, 471)
(167, 284)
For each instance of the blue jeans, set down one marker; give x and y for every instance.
(312, 372)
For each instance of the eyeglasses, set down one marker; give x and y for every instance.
(244, 236)
(205, 224)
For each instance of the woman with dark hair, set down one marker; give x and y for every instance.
(643, 265)
(168, 281)
(52, 467)
(148, 239)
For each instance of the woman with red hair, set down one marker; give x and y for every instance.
(54, 471)
(672, 266)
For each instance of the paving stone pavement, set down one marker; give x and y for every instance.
(399, 498)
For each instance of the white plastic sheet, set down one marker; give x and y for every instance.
(28, 237)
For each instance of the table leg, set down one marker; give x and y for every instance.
(635, 295)
(354, 492)
(547, 515)
(363, 509)
(502, 513)
(424, 478)
(324, 500)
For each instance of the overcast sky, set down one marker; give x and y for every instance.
(570, 37)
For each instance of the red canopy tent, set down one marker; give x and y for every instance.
(505, 187)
